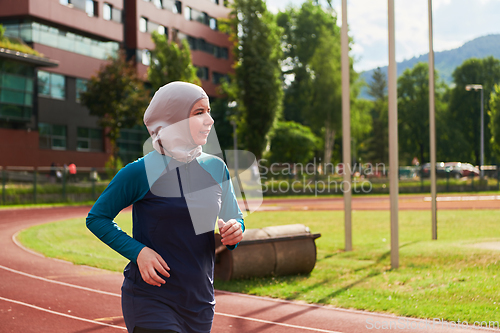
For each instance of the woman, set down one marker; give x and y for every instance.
(178, 193)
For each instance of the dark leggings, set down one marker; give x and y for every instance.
(149, 330)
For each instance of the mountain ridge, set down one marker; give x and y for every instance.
(445, 62)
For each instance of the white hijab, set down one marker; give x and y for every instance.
(167, 120)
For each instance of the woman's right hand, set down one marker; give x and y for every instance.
(150, 264)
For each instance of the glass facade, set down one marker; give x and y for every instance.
(218, 77)
(81, 86)
(110, 13)
(16, 90)
(191, 14)
(202, 73)
(131, 143)
(52, 136)
(89, 139)
(61, 39)
(202, 45)
(51, 85)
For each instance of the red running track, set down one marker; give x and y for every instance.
(39, 294)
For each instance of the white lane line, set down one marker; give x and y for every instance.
(118, 295)
(59, 282)
(466, 198)
(62, 314)
(275, 323)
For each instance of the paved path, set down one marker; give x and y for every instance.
(38, 294)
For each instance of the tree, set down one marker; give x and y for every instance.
(494, 114)
(292, 143)
(256, 84)
(377, 144)
(117, 96)
(311, 41)
(302, 29)
(325, 110)
(171, 61)
(465, 106)
(413, 111)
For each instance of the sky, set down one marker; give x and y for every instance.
(454, 23)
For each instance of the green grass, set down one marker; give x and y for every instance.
(48, 205)
(437, 279)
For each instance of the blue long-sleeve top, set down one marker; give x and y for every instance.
(137, 179)
(175, 209)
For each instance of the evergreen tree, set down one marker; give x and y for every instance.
(377, 144)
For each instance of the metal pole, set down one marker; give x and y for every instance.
(432, 128)
(481, 171)
(346, 129)
(393, 139)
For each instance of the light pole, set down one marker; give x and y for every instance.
(477, 87)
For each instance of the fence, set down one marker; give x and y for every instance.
(30, 185)
(286, 180)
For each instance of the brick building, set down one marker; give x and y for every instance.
(48, 124)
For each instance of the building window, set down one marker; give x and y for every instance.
(131, 143)
(16, 90)
(152, 26)
(162, 30)
(213, 24)
(143, 56)
(116, 15)
(51, 85)
(62, 39)
(177, 8)
(91, 8)
(204, 18)
(215, 2)
(143, 24)
(89, 139)
(81, 87)
(202, 73)
(158, 4)
(109, 13)
(221, 52)
(88, 6)
(52, 136)
(106, 11)
(217, 78)
(202, 45)
(187, 13)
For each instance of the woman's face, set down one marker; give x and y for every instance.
(200, 121)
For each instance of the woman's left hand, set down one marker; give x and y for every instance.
(230, 231)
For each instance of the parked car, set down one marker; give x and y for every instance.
(453, 169)
(459, 170)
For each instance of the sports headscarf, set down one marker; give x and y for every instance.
(167, 120)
